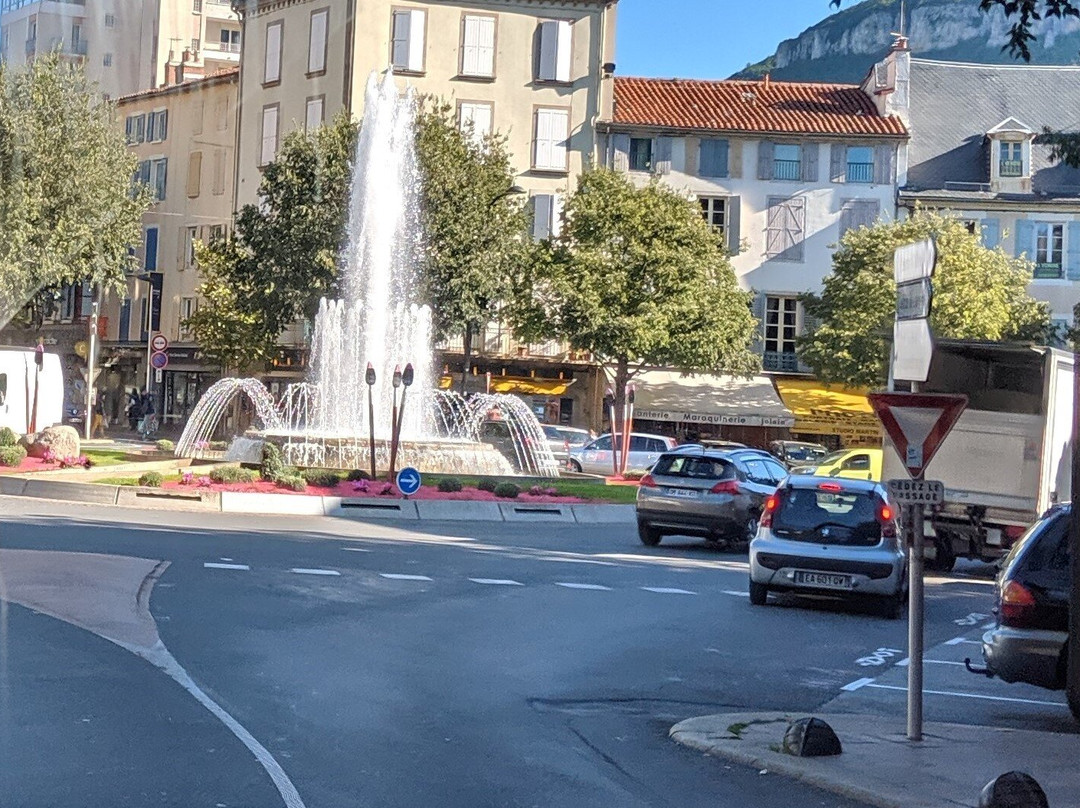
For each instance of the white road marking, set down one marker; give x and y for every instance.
(962, 641)
(989, 626)
(357, 549)
(973, 696)
(971, 619)
(879, 657)
(903, 663)
(663, 590)
(398, 576)
(306, 571)
(597, 587)
(853, 686)
(224, 559)
(213, 565)
(736, 594)
(496, 581)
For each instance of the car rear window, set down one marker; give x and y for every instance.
(705, 468)
(828, 517)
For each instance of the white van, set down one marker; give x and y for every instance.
(19, 376)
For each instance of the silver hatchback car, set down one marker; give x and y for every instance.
(829, 536)
(595, 457)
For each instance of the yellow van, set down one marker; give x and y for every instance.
(854, 464)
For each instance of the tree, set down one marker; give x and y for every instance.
(68, 212)
(282, 256)
(474, 231)
(979, 293)
(637, 278)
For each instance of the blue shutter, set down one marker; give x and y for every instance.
(1072, 263)
(124, 331)
(714, 158)
(150, 252)
(991, 233)
(1025, 231)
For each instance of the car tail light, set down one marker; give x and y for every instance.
(772, 502)
(834, 487)
(886, 515)
(725, 487)
(1017, 605)
(1014, 532)
(647, 481)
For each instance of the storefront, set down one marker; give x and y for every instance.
(183, 382)
(703, 407)
(836, 417)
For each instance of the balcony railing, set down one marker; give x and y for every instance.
(860, 172)
(223, 47)
(1011, 168)
(1047, 271)
(787, 169)
(780, 361)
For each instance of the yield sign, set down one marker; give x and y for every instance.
(917, 423)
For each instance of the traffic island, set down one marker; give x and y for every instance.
(880, 767)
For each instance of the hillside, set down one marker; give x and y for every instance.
(844, 45)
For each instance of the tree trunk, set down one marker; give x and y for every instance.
(622, 380)
(466, 364)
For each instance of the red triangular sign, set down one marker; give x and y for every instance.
(917, 423)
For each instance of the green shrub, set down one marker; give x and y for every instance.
(321, 478)
(634, 474)
(218, 445)
(233, 474)
(165, 445)
(151, 479)
(451, 485)
(487, 485)
(507, 490)
(294, 482)
(356, 475)
(12, 455)
(273, 464)
(8, 436)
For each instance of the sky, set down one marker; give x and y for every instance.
(707, 38)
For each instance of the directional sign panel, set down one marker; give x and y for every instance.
(913, 299)
(917, 423)
(408, 481)
(917, 492)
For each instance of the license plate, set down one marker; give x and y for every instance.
(681, 493)
(825, 579)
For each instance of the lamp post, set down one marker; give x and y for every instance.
(369, 377)
(395, 382)
(90, 369)
(404, 378)
(609, 402)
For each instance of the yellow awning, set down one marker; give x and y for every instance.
(520, 385)
(821, 410)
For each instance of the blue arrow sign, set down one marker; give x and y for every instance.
(408, 481)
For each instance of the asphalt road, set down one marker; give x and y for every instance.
(438, 665)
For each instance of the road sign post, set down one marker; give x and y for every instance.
(408, 481)
(917, 423)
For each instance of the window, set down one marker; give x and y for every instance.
(110, 21)
(785, 228)
(859, 462)
(860, 164)
(856, 213)
(407, 40)
(313, 113)
(158, 171)
(316, 57)
(702, 468)
(194, 176)
(547, 216)
(150, 249)
(188, 307)
(555, 43)
(714, 209)
(157, 128)
(135, 128)
(475, 119)
(196, 46)
(552, 131)
(269, 135)
(272, 58)
(191, 235)
(787, 161)
(219, 172)
(641, 154)
(222, 113)
(76, 37)
(1012, 160)
(106, 60)
(781, 328)
(230, 41)
(124, 327)
(1049, 244)
(196, 6)
(478, 46)
(601, 444)
(713, 158)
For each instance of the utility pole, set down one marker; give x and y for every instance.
(90, 361)
(1072, 667)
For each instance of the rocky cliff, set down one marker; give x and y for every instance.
(844, 46)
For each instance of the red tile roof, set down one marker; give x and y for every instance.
(751, 106)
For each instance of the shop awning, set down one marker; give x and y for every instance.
(820, 410)
(525, 386)
(664, 395)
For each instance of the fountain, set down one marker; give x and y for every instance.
(324, 422)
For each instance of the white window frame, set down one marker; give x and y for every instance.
(274, 42)
(159, 174)
(413, 39)
(188, 307)
(314, 113)
(157, 126)
(191, 235)
(1045, 254)
(318, 34)
(481, 114)
(136, 122)
(268, 142)
(478, 46)
(556, 51)
(709, 206)
(547, 215)
(784, 305)
(550, 139)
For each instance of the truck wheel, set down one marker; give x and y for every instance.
(759, 593)
(649, 536)
(944, 557)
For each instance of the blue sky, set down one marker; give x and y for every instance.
(707, 38)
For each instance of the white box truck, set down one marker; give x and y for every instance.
(1009, 456)
(19, 377)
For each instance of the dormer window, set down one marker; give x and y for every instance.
(1010, 155)
(1012, 159)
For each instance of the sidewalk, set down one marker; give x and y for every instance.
(880, 767)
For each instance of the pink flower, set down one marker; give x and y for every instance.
(205, 482)
(187, 478)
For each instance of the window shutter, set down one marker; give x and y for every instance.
(194, 177)
(883, 164)
(1025, 231)
(662, 162)
(542, 218)
(317, 42)
(160, 182)
(542, 156)
(714, 158)
(481, 118)
(693, 156)
(796, 235)
(765, 162)
(557, 205)
(757, 309)
(313, 114)
(563, 53)
(838, 163)
(150, 254)
(269, 135)
(219, 171)
(1072, 262)
(486, 46)
(991, 233)
(734, 215)
(773, 227)
(470, 47)
(847, 217)
(549, 50)
(810, 161)
(620, 147)
(272, 62)
(416, 40)
(735, 148)
(399, 48)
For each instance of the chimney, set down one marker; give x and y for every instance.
(766, 82)
(172, 74)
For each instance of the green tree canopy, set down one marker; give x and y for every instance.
(67, 210)
(979, 293)
(637, 278)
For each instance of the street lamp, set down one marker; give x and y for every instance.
(369, 377)
(90, 369)
(513, 190)
(400, 378)
(149, 279)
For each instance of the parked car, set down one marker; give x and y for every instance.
(723, 444)
(834, 537)
(562, 439)
(710, 493)
(851, 464)
(1028, 642)
(797, 452)
(595, 457)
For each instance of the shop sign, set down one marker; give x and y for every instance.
(716, 419)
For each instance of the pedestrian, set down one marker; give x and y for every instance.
(133, 409)
(98, 422)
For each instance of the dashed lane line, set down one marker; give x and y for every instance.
(496, 581)
(736, 594)
(307, 571)
(667, 590)
(214, 565)
(903, 663)
(962, 641)
(572, 585)
(400, 576)
(357, 549)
